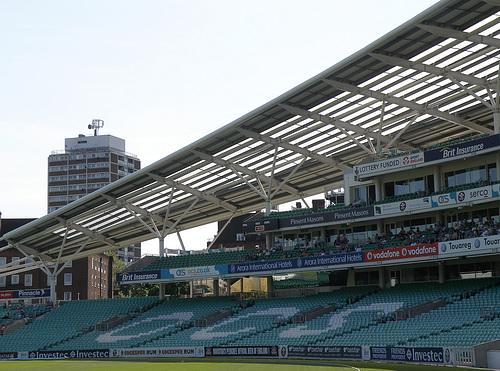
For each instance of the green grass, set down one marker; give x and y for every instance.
(209, 365)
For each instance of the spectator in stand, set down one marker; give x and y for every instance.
(337, 243)
(343, 243)
(402, 235)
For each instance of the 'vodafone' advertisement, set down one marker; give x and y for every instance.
(402, 252)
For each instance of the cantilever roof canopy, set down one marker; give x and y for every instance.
(432, 79)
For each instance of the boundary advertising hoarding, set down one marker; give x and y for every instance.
(328, 352)
(76, 353)
(8, 355)
(243, 351)
(408, 354)
(170, 352)
(25, 294)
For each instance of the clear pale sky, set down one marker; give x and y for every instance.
(161, 74)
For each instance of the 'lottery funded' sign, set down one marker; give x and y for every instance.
(297, 263)
(389, 164)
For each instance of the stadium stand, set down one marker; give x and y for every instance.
(408, 132)
(71, 320)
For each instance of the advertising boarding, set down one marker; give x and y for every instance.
(408, 354)
(327, 217)
(141, 276)
(467, 195)
(169, 352)
(174, 273)
(406, 252)
(327, 352)
(25, 294)
(469, 245)
(395, 163)
(449, 152)
(62, 354)
(403, 206)
(193, 272)
(244, 351)
(296, 263)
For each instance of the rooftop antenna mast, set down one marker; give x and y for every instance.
(96, 125)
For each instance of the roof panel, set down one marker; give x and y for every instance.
(233, 169)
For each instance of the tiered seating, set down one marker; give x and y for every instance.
(461, 187)
(403, 197)
(321, 278)
(162, 320)
(363, 316)
(259, 318)
(458, 141)
(305, 211)
(428, 329)
(369, 321)
(400, 154)
(69, 321)
(199, 260)
(460, 324)
(288, 213)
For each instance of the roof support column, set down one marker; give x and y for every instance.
(496, 102)
(180, 241)
(53, 283)
(161, 243)
(496, 121)
(221, 230)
